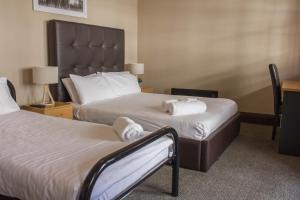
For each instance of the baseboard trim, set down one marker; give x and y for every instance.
(258, 118)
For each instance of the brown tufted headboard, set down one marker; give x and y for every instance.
(82, 49)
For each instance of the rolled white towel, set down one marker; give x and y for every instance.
(127, 129)
(186, 108)
(165, 104)
(190, 100)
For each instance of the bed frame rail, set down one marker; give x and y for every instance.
(12, 90)
(101, 165)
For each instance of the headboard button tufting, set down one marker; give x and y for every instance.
(74, 44)
(103, 68)
(76, 70)
(91, 69)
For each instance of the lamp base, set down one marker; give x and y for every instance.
(48, 100)
(140, 81)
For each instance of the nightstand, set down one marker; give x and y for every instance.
(61, 109)
(146, 89)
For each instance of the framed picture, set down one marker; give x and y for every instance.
(77, 8)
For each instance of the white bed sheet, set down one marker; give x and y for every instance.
(48, 158)
(146, 109)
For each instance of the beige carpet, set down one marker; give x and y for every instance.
(249, 169)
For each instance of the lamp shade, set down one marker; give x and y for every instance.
(136, 68)
(45, 75)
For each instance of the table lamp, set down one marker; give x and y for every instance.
(137, 69)
(45, 76)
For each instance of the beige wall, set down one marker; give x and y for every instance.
(23, 36)
(224, 45)
(217, 44)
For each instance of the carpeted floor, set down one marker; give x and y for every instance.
(249, 169)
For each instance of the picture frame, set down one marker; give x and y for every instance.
(76, 8)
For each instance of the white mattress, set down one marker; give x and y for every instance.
(145, 109)
(48, 158)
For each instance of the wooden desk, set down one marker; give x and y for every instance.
(291, 86)
(289, 142)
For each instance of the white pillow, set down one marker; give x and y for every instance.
(69, 85)
(7, 103)
(91, 89)
(123, 83)
(123, 72)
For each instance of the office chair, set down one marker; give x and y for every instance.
(277, 96)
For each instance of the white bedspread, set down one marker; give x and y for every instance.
(48, 158)
(146, 109)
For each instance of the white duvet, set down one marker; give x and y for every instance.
(48, 158)
(146, 109)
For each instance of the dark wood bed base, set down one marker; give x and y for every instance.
(206, 152)
(104, 163)
(200, 155)
(85, 49)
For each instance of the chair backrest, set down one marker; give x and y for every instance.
(276, 87)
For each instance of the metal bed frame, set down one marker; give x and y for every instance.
(92, 177)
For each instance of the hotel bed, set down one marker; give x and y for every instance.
(146, 109)
(44, 157)
(86, 49)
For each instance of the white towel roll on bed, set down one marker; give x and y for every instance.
(165, 104)
(127, 129)
(186, 108)
(190, 99)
